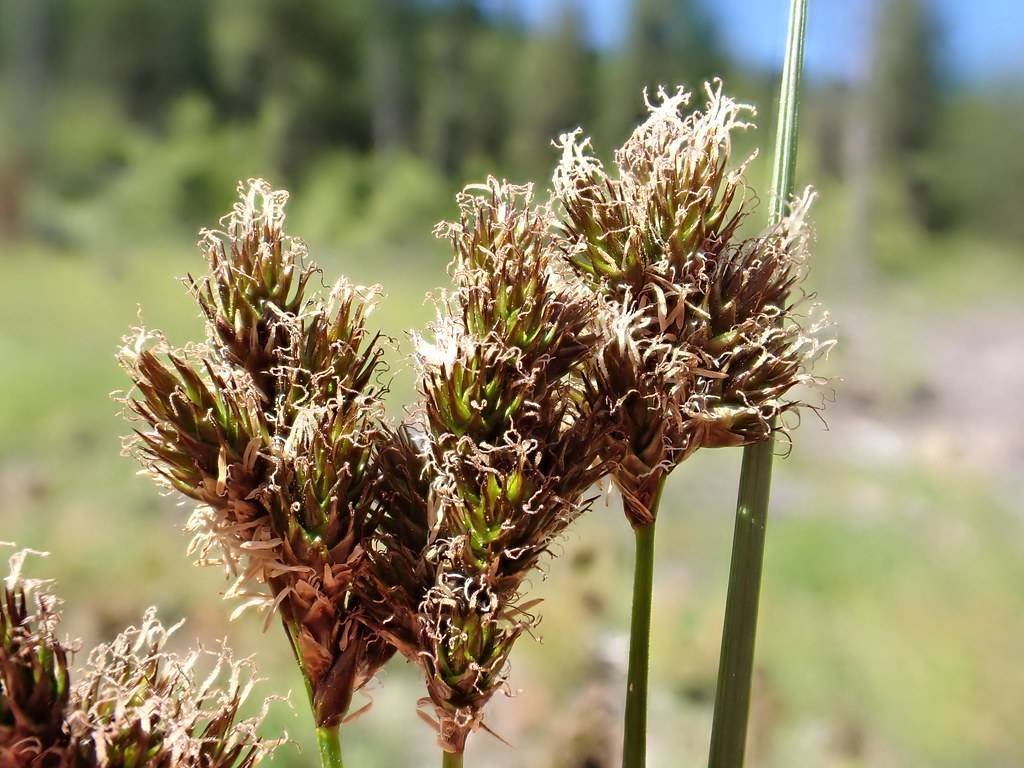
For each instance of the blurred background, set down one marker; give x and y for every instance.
(892, 619)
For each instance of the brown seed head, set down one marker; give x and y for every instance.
(137, 702)
(34, 683)
(272, 426)
(500, 466)
(134, 705)
(701, 342)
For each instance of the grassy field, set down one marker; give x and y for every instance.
(893, 614)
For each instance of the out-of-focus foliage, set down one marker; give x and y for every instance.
(141, 115)
(554, 87)
(668, 41)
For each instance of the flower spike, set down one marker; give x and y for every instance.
(272, 427)
(134, 705)
(473, 496)
(701, 342)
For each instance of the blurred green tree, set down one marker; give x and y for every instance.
(669, 43)
(146, 51)
(465, 82)
(977, 169)
(553, 91)
(301, 66)
(445, 124)
(907, 87)
(26, 46)
(393, 63)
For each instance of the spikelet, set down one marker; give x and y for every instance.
(136, 702)
(701, 340)
(271, 426)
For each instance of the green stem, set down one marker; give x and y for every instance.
(329, 742)
(788, 128)
(634, 744)
(451, 760)
(328, 737)
(732, 696)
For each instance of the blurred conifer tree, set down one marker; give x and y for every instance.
(553, 91)
(669, 43)
(907, 100)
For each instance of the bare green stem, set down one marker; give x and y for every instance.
(328, 738)
(329, 742)
(788, 128)
(732, 696)
(451, 760)
(634, 744)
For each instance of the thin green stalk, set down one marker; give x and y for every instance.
(329, 742)
(451, 760)
(788, 127)
(634, 744)
(328, 738)
(732, 696)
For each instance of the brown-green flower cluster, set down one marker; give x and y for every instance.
(701, 339)
(34, 681)
(473, 497)
(135, 706)
(271, 426)
(619, 336)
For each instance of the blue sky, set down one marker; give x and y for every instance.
(984, 38)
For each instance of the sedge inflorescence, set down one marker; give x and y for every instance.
(497, 466)
(134, 704)
(271, 427)
(612, 331)
(702, 340)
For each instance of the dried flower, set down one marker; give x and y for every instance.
(702, 343)
(472, 498)
(272, 427)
